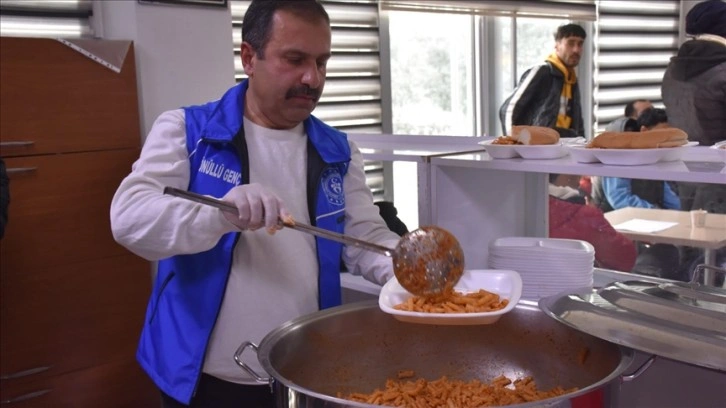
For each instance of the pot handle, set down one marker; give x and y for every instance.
(238, 360)
(640, 370)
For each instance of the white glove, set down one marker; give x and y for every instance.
(257, 207)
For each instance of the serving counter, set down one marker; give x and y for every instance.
(477, 198)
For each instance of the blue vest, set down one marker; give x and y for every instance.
(188, 292)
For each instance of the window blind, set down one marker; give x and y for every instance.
(634, 42)
(581, 10)
(351, 100)
(45, 18)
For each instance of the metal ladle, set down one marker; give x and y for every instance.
(427, 261)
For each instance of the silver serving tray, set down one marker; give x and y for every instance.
(680, 321)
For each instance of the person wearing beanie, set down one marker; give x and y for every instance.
(694, 94)
(694, 84)
(708, 17)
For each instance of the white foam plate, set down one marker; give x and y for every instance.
(581, 154)
(720, 147)
(553, 277)
(540, 244)
(541, 152)
(536, 152)
(505, 283)
(543, 259)
(497, 151)
(550, 269)
(535, 254)
(627, 157)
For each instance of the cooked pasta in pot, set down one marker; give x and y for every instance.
(447, 393)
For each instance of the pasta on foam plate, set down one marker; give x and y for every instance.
(480, 297)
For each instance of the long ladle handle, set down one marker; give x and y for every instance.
(320, 232)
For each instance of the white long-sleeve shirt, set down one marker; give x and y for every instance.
(273, 277)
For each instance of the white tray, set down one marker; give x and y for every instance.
(540, 244)
(536, 152)
(627, 157)
(505, 283)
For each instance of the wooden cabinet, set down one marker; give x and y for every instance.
(56, 100)
(111, 384)
(72, 300)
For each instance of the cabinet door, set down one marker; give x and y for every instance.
(54, 99)
(118, 384)
(59, 209)
(71, 297)
(60, 319)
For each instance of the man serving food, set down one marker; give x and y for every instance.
(223, 279)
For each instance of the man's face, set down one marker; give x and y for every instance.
(639, 107)
(569, 50)
(285, 85)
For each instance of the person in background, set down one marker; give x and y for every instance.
(628, 122)
(623, 124)
(611, 193)
(548, 94)
(694, 94)
(389, 213)
(4, 197)
(572, 217)
(635, 108)
(694, 83)
(224, 279)
(661, 260)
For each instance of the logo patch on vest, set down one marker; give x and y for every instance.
(333, 186)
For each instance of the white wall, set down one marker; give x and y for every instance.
(183, 52)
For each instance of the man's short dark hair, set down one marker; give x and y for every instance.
(257, 22)
(570, 30)
(630, 107)
(651, 117)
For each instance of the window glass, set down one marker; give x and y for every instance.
(432, 84)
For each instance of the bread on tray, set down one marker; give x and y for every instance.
(529, 135)
(649, 139)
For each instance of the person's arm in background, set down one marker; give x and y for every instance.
(514, 110)
(671, 201)
(4, 197)
(619, 194)
(613, 250)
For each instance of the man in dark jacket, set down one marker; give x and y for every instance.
(548, 94)
(694, 84)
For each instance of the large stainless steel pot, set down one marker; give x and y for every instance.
(356, 347)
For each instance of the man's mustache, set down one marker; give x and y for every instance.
(303, 90)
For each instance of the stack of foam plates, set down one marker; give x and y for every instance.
(547, 266)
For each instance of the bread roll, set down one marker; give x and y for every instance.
(664, 137)
(535, 135)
